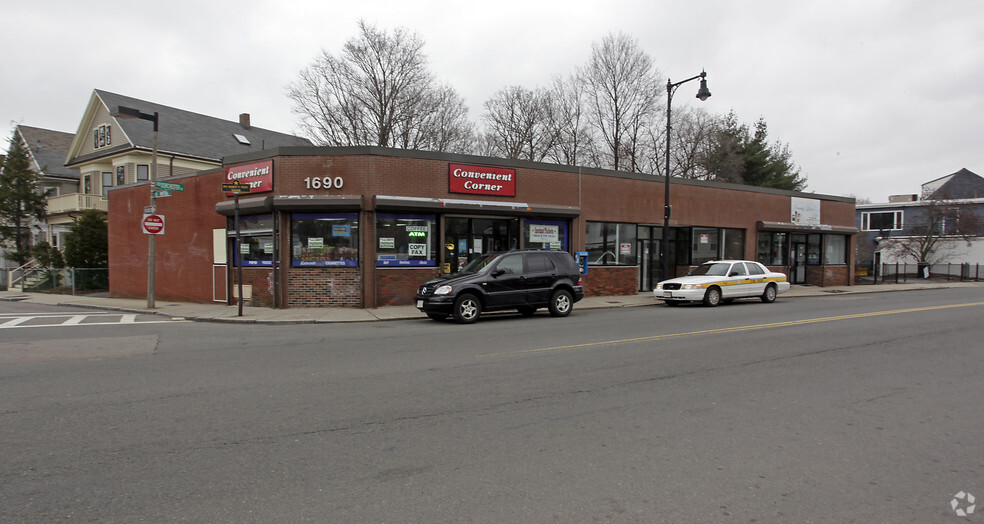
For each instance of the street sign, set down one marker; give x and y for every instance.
(150, 210)
(161, 193)
(153, 224)
(235, 187)
(169, 186)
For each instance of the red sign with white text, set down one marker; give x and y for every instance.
(153, 224)
(481, 180)
(259, 176)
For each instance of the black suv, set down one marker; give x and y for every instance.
(520, 280)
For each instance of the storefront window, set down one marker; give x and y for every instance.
(406, 240)
(734, 244)
(813, 250)
(609, 243)
(545, 234)
(772, 248)
(836, 249)
(256, 240)
(704, 246)
(321, 240)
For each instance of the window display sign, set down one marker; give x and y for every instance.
(544, 233)
(258, 176)
(481, 180)
(406, 240)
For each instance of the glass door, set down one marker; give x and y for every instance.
(467, 238)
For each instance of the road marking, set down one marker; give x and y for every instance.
(732, 329)
(74, 319)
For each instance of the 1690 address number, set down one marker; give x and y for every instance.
(324, 182)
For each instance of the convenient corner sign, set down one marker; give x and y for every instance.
(169, 186)
(153, 224)
(481, 180)
(258, 176)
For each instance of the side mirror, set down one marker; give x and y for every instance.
(498, 272)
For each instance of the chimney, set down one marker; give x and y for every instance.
(244, 120)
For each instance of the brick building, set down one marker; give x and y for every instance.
(364, 226)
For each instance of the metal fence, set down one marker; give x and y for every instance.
(901, 272)
(63, 281)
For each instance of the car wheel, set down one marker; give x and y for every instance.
(561, 303)
(769, 296)
(526, 311)
(467, 308)
(437, 316)
(712, 297)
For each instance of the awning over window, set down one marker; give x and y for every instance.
(806, 228)
(483, 206)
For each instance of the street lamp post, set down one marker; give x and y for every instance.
(703, 93)
(129, 112)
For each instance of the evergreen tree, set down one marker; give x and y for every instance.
(20, 200)
(87, 244)
(748, 157)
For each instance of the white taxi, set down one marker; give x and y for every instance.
(712, 282)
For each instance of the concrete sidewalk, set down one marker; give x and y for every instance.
(222, 313)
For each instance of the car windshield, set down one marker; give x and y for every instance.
(716, 269)
(479, 264)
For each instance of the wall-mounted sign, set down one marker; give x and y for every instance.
(259, 176)
(805, 211)
(481, 180)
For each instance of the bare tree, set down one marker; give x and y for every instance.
(517, 122)
(622, 91)
(574, 145)
(440, 123)
(934, 231)
(378, 91)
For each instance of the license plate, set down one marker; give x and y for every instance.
(667, 295)
(420, 303)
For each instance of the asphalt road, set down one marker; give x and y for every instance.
(840, 408)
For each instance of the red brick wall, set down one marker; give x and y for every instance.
(398, 287)
(262, 281)
(611, 280)
(324, 287)
(184, 251)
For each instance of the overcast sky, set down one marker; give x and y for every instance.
(873, 97)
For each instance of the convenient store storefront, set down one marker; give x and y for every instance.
(363, 227)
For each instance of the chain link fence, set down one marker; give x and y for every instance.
(63, 281)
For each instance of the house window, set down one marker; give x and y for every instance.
(102, 136)
(107, 181)
(120, 175)
(321, 240)
(143, 172)
(881, 220)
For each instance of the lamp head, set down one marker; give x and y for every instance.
(703, 93)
